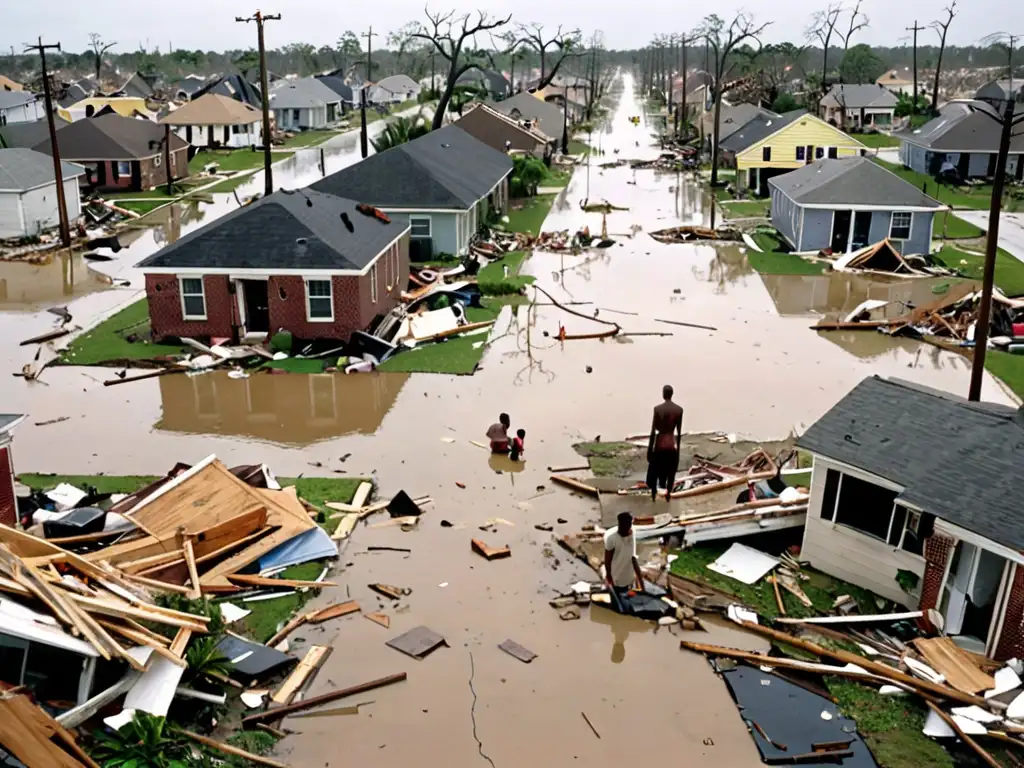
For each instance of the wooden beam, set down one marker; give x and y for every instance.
(180, 643)
(227, 749)
(194, 592)
(263, 581)
(141, 639)
(311, 662)
(361, 495)
(278, 712)
(161, 586)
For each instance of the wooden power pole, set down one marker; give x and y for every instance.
(364, 143)
(913, 107)
(58, 171)
(260, 18)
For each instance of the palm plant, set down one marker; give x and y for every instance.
(400, 130)
(145, 742)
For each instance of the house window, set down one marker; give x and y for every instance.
(123, 168)
(319, 301)
(295, 116)
(819, 152)
(828, 498)
(766, 154)
(833, 152)
(899, 227)
(193, 298)
(373, 284)
(865, 507)
(916, 529)
(419, 226)
(801, 153)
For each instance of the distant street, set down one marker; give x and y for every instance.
(1011, 229)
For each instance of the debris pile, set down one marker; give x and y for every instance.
(689, 233)
(884, 258)
(669, 161)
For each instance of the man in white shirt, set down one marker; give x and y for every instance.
(620, 563)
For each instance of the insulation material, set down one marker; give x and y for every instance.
(743, 563)
(1006, 680)
(314, 544)
(155, 688)
(65, 496)
(937, 728)
(232, 612)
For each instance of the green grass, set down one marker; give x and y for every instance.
(229, 185)
(951, 227)
(102, 483)
(776, 260)
(746, 209)
(311, 138)
(106, 342)
(1009, 270)
(876, 140)
(268, 615)
(142, 207)
(891, 726)
(557, 177)
(977, 198)
(822, 590)
(1007, 368)
(529, 214)
(456, 355)
(798, 479)
(577, 147)
(297, 365)
(614, 459)
(492, 280)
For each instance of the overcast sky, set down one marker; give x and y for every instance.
(210, 25)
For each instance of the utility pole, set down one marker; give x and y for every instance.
(913, 107)
(260, 18)
(364, 143)
(671, 77)
(58, 172)
(683, 91)
(1008, 121)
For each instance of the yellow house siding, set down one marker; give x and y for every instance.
(807, 130)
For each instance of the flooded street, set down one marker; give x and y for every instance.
(762, 374)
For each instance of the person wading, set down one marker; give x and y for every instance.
(620, 563)
(663, 446)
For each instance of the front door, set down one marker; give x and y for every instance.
(810, 154)
(257, 306)
(953, 606)
(840, 231)
(861, 230)
(209, 135)
(964, 164)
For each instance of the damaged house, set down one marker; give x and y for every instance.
(915, 495)
(846, 204)
(307, 262)
(504, 133)
(443, 184)
(8, 499)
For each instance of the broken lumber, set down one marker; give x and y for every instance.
(855, 619)
(332, 612)
(227, 749)
(978, 749)
(490, 553)
(346, 526)
(44, 337)
(263, 581)
(311, 662)
(361, 495)
(278, 712)
(938, 691)
(778, 595)
(194, 592)
(388, 590)
(576, 485)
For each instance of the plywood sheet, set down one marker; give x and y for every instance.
(953, 663)
(417, 642)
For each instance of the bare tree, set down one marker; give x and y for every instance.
(858, 20)
(942, 28)
(99, 47)
(822, 27)
(448, 34)
(723, 40)
(560, 45)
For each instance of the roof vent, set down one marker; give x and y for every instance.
(301, 241)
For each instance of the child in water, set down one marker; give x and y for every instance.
(517, 448)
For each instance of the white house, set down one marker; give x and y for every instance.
(20, 107)
(859, 106)
(394, 90)
(299, 105)
(214, 120)
(28, 192)
(901, 81)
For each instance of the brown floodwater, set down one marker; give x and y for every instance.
(761, 374)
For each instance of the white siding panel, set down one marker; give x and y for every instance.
(10, 215)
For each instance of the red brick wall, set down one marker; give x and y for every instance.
(164, 295)
(1011, 639)
(153, 175)
(937, 551)
(8, 503)
(288, 308)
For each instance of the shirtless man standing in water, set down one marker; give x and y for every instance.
(663, 447)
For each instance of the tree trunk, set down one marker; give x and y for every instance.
(442, 104)
(714, 137)
(938, 71)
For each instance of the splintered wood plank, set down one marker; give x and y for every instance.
(512, 648)
(263, 581)
(346, 525)
(361, 495)
(314, 657)
(949, 660)
(490, 553)
(194, 592)
(417, 642)
(379, 618)
(180, 642)
(332, 612)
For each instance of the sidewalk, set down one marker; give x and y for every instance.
(1011, 229)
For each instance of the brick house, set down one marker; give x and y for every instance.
(442, 184)
(916, 496)
(301, 261)
(8, 500)
(120, 153)
(502, 132)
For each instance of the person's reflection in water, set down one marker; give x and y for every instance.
(500, 462)
(622, 627)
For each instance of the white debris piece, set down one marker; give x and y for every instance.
(892, 690)
(977, 714)
(923, 671)
(968, 726)
(1006, 680)
(232, 612)
(743, 563)
(1016, 709)
(936, 727)
(739, 614)
(65, 496)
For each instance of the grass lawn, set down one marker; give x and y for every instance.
(1009, 270)
(311, 138)
(142, 207)
(822, 590)
(978, 197)
(746, 209)
(228, 160)
(616, 459)
(876, 140)
(527, 215)
(107, 341)
(776, 261)
(557, 177)
(891, 726)
(456, 355)
(492, 280)
(951, 227)
(577, 147)
(229, 185)
(1008, 368)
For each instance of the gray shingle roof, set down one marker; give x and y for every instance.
(110, 137)
(24, 169)
(301, 94)
(850, 181)
(760, 127)
(398, 83)
(446, 169)
(235, 86)
(963, 129)
(15, 98)
(30, 134)
(871, 96)
(735, 116)
(9, 421)
(960, 461)
(269, 234)
(339, 86)
(549, 116)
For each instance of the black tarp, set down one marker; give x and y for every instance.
(262, 663)
(792, 716)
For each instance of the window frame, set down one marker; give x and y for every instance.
(309, 297)
(819, 153)
(419, 219)
(833, 153)
(892, 224)
(766, 154)
(182, 294)
(117, 168)
(374, 292)
(801, 154)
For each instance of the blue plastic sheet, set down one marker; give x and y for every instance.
(313, 544)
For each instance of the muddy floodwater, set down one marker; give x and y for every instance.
(762, 374)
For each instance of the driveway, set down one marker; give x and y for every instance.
(1011, 229)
